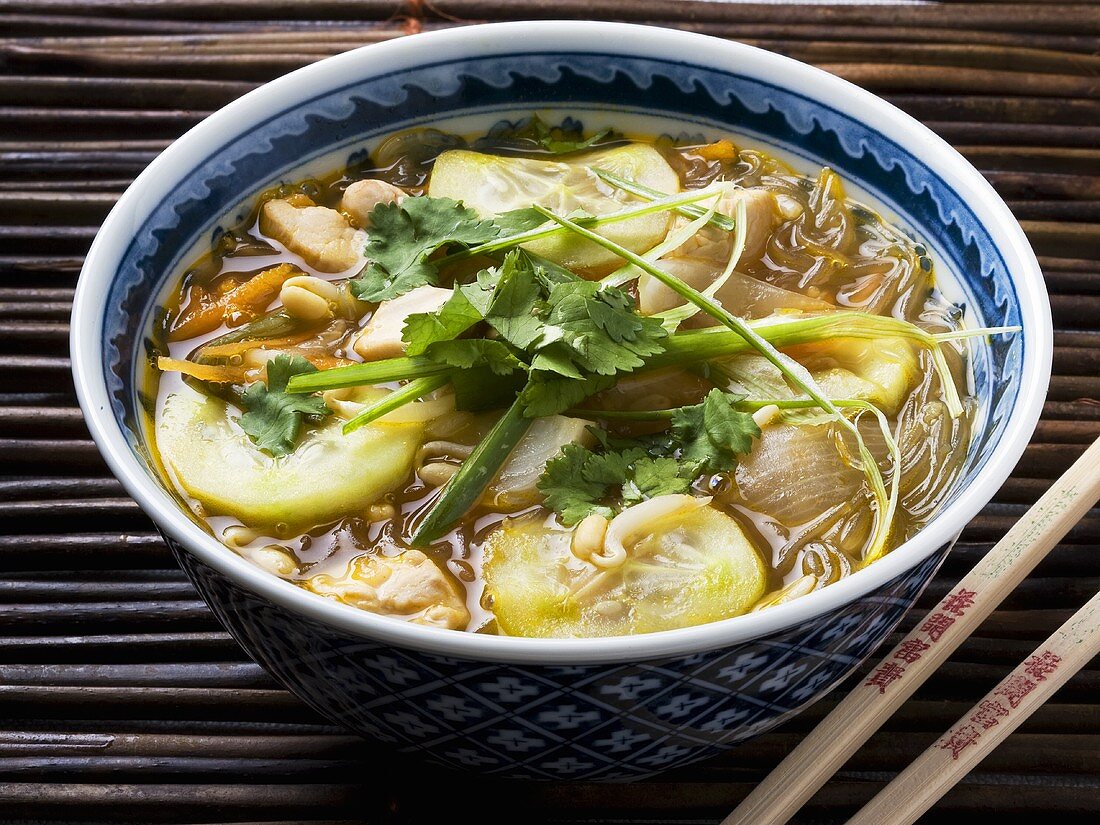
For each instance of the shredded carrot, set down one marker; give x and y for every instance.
(207, 310)
(241, 347)
(719, 150)
(324, 361)
(204, 372)
(257, 292)
(201, 314)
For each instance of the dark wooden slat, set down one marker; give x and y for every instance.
(24, 592)
(198, 675)
(80, 647)
(127, 92)
(1017, 17)
(1014, 84)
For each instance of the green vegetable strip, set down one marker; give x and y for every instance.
(791, 369)
(964, 334)
(672, 318)
(464, 490)
(539, 232)
(717, 219)
(673, 241)
(372, 372)
(680, 349)
(269, 326)
(415, 389)
(703, 345)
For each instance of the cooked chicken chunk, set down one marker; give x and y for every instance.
(762, 216)
(322, 236)
(362, 196)
(381, 337)
(409, 585)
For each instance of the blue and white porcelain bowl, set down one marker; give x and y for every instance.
(573, 708)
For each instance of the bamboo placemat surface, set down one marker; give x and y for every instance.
(121, 699)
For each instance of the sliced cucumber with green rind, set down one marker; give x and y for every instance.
(491, 184)
(700, 568)
(329, 475)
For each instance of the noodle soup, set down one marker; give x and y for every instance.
(551, 383)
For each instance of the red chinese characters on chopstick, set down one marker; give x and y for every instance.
(1005, 698)
(954, 605)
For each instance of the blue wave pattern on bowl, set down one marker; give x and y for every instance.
(592, 722)
(606, 721)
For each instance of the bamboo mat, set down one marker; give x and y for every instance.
(121, 700)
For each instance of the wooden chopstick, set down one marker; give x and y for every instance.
(917, 656)
(988, 723)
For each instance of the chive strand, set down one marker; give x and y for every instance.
(415, 389)
(641, 191)
(465, 488)
(621, 415)
(372, 372)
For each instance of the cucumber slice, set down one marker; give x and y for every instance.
(699, 568)
(329, 475)
(881, 370)
(490, 184)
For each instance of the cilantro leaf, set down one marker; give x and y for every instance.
(475, 352)
(568, 490)
(518, 220)
(403, 236)
(713, 434)
(652, 477)
(448, 322)
(515, 302)
(580, 482)
(597, 329)
(273, 417)
(704, 438)
(550, 396)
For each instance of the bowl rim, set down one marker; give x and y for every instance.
(101, 265)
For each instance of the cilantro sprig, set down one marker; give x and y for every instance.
(580, 481)
(273, 417)
(567, 334)
(702, 439)
(403, 235)
(404, 238)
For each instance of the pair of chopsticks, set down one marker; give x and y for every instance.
(863, 711)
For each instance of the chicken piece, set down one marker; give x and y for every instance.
(409, 585)
(322, 236)
(381, 337)
(762, 216)
(362, 196)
